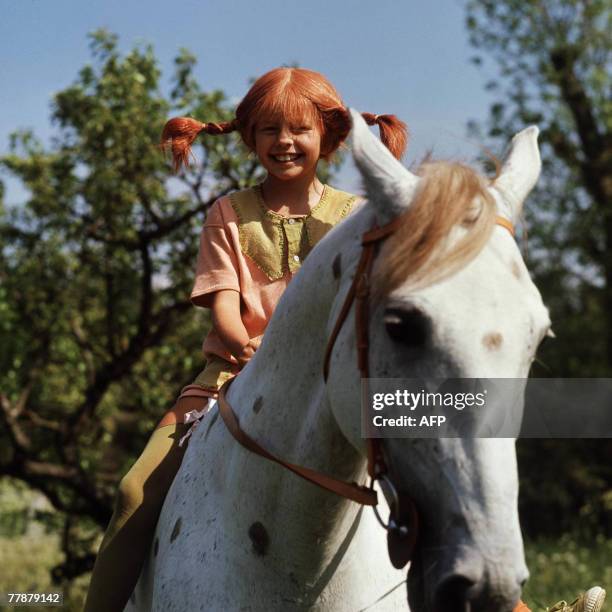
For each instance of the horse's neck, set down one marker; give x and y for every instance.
(281, 396)
(282, 390)
(281, 401)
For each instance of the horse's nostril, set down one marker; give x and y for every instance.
(454, 592)
(407, 324)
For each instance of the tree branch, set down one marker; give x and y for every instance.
(146, 293)
(121, 365)
(562, 146)
(10, 414)
(47, 477)
(163, 228)
(577, 100)
(85, 346)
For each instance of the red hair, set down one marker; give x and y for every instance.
(293, 94)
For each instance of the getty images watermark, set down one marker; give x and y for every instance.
(497, 408)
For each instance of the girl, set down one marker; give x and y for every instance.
(251, 245)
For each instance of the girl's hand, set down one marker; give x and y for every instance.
(245, 354)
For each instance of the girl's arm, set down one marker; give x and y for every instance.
(225, 306)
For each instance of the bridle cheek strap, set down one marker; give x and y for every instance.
(403, 525)
(359, 289)
(359, 292)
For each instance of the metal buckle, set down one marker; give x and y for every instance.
(392, 498)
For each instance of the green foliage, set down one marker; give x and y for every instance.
(562, 568)
(551, 60)
(553, 64)
(570, 491)
(96, 267)
(30, 545)
(27, 562)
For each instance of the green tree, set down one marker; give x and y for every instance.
(96, 328)
(553, 58)
(552, 61)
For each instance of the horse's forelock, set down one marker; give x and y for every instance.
(419, 252)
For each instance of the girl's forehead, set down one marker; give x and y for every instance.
(294, 113)
(278, 120)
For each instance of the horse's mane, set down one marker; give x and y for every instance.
(419, 251)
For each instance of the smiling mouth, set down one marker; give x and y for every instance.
(286, 158)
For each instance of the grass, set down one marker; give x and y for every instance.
(560, 569)
(26, 562)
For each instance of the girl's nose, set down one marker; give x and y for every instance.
(284, 136)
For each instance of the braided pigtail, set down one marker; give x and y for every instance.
(336, 127)
(393, 132)
(180, 133)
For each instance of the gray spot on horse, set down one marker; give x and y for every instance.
(257, 404)
(156, 547)
(176, 529)
(337, 266)
(259, 538)
(516, 269)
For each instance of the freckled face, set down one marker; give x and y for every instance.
(288, 150)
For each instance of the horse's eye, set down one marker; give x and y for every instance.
(407, 324)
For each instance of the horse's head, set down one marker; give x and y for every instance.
(453, 299)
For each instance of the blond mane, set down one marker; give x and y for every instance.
(420, 252)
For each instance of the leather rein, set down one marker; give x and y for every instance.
(402, 527)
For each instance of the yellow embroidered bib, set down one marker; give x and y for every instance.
(277, 243)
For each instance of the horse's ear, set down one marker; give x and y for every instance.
(389, 186)
(520, 171)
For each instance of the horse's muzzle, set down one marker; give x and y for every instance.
(475, 591)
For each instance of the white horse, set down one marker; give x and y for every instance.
(238, 532)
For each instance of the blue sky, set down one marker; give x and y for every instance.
(396, 56)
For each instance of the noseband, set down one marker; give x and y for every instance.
(402, 526)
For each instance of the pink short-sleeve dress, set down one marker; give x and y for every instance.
(246, 247)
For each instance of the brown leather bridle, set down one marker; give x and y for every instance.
(402, 526)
